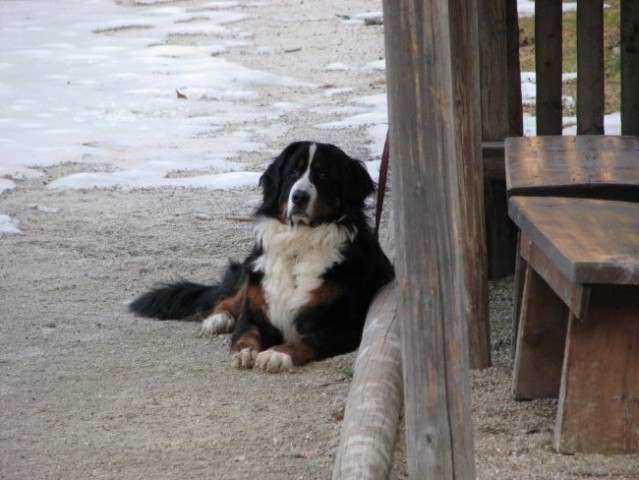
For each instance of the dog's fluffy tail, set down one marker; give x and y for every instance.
(185, 300)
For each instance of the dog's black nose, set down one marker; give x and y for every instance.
(300, 198)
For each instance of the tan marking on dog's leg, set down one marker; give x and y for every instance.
(222, 320)
(323, 295)
(255, 297)
(245, 350)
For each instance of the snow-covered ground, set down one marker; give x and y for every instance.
(92, 81)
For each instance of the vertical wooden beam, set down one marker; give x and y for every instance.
(495, 125)
(629, 67)
(494, 70)
(548, 14)
(515, 108)
(426, 118)
(466, 71)
(590, 68)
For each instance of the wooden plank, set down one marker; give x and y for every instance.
(629, 67)
(589, 166)
(425, 118)
(590, 68)
(494, 71)
(540, 341)
(548, 28)
(598, 401)
(515, 107)
(588, 241)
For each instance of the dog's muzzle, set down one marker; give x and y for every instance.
(298, 210)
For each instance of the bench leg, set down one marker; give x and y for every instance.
(599, 397)
(540, 340)
(518, 292)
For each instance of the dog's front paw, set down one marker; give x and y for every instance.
(274, 362)
(218, 323)
(245, 358)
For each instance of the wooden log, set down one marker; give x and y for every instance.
(374, 402)
(590, 68)
(548, 15)
(373, 407)
(629, 67)
(427, 120)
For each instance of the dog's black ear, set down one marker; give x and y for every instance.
(271, 180)
(358, 182)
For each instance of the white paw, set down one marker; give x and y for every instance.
(274, 362)
(218, 323)
(245, 358)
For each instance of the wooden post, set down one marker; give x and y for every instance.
(548, 15)
(515, 107)
(629, 67)
(590, 68)
(494, 70)
(433, 116)
(501, 117)
(464, 36)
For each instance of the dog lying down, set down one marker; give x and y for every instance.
(303, 292)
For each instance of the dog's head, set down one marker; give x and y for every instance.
(312, 183)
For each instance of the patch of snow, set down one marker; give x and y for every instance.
(8, 225)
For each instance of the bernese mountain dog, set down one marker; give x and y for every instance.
(302, 294)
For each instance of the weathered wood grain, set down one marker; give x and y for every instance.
(589, 241)
(629, 67)
(590, 68)
(548, 31)
(426, 116)
(375, 398)
(599, 394)
(540, 342)
(589, 166)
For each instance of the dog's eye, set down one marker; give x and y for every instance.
(322, 175)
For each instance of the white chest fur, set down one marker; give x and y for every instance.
(293, 261)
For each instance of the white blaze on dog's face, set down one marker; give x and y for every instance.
(303, 195)
(312, 183)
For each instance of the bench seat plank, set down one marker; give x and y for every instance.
(589, 241)
(588, 166)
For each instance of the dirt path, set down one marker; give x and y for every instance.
(89, 391)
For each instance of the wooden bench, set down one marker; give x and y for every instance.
(578, 333)
(583, 166)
